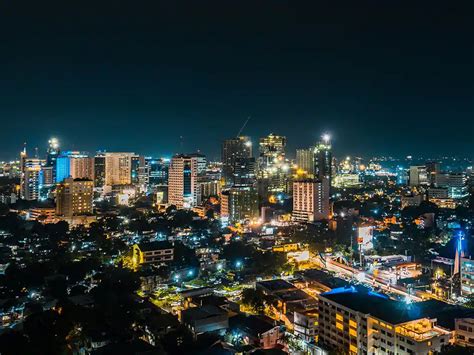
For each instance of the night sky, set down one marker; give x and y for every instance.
(384, 77)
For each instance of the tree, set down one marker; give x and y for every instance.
(12, 343)
(254, 299)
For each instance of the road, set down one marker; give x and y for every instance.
(370, 280)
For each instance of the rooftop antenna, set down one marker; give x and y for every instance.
(36, 153)
(243, 126)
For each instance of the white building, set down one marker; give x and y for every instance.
(183, 187)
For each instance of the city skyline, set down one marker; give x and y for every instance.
(122, 79)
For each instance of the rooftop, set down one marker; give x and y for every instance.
(157, 245)
(253, 325)
(199, 313)
(276, 285)
(396, 312)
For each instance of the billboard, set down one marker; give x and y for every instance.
(365, 235)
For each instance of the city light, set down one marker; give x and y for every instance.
(326, 138)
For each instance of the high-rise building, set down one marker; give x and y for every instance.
(158, 171)
(239, 203)
(99, 170)
(244, 171)
(74, 197)
(273, 169)
(305, 160)
(455, 183)
(432, 169)
(77, 165)
(311, 200)
(183, 187)
(136, 162)
(418, 175)
(118, 168)
(50, 166)
(234, 149)
(323, 159)
(30, 176)
(272, 150)
(201, 162)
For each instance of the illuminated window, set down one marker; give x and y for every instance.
(352, 333)
(339, 317)
(352, 323)
(353, 349)
(339, 326)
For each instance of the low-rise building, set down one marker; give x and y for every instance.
(208, 318)
(152, 253)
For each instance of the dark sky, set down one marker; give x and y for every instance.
(381, 76)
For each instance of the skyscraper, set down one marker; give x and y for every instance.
(99, 170)
(183, 187)
(30, 177)
(244, 171)
(323, 159)
(273, 168)
(52, 154)
(232, 150)
(74, 197)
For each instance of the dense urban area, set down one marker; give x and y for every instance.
(263, 252)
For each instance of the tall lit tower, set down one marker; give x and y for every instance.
(323, 159)
(459, 253)
(183, 188)
(51, 157)
(234, 150)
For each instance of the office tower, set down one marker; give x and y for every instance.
(323, 159)
(272, 150)
(74, 197)
(273, 168)
(305, 160)
(52, 154)
(48, 176)
(432, 169)
(99, 170)
(311, 200)
(232, 150)
(30, 176)
(455, 183)
(201, 162)
(239, 203)
(244, 171)
(118, 168)
(183, 187)
(136, 162)
(77, 165)
(418, 176)
(158, 171)
(153, 172)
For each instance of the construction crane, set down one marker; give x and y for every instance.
(243, 126)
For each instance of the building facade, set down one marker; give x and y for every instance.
(183, 187)
(311, 200)
(74, 197)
